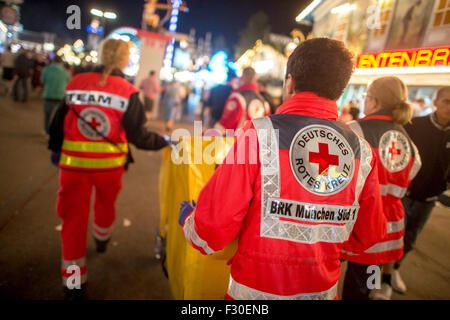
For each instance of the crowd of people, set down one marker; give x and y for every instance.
(326, 187)
(27, 72)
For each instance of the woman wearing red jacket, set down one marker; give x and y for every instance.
(398, 163)
(89, 138)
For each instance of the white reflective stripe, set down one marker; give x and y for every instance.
(78, 262)
(241, 292)
(238, 96)
(417, 162)
(102, 230)
(349, 253)
(356, 127)
(395, 226)
(101, 237)
(270, 188)
(386, 246)
(270, 168)
(392, 189)
(364, 167)
(83, 279)
(192, 236)
(304, 233)
(97, 98)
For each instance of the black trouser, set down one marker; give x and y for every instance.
(355, 282)
(23, 82)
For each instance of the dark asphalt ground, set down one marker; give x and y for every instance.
(30, 243)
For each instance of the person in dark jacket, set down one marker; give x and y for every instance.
(218, 95)
(89, 139)
(431, 135)
(23, 64)
(266, 95)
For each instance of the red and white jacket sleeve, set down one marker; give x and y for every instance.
(371, 225)
(232, 114)
(223, 202)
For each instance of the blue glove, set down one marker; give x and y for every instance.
(185, 209)
(55, 158)
(169, 141)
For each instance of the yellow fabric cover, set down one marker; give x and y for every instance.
(183, 174)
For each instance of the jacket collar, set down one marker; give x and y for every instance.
(247, 86)
(311, 105)
(437, 125)
(382, 114)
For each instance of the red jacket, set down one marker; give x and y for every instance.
(398, 163)
(244, 103)
(294, 202)
(102, 108)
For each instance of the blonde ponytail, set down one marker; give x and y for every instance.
(391, 94)
(106, 72)
(114, 54)
(402, 113)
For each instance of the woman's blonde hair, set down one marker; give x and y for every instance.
(392, 94)
(114, 54)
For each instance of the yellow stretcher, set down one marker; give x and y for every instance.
(185, 170)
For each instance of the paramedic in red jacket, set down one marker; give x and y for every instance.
(304, 187)
(89, 139)
(244, 103)
(398, 163)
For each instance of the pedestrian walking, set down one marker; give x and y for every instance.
(150, 88)
(308, 188)
(262, 87)
(174, 94)
(399, 161)
(7, 63)
(244, 103)
(433, 177)
(39, 64)
(218, 95)
(89, 138)
(54, 78)
(23, 66)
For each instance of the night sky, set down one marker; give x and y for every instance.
(221, 17)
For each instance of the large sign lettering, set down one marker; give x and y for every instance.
(425, 57)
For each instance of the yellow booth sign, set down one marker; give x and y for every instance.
(184, 171)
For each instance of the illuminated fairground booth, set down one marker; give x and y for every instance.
(403, 38)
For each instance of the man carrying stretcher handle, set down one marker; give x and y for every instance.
(306, 189)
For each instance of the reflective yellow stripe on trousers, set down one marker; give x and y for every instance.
(104, 163)
(85, 146)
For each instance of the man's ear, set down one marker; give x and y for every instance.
(290, 84)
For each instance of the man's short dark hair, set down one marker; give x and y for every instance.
(152, 72)
(321, 65)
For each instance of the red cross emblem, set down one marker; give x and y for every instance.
(94, 123)
(392, 151)
(323, 158)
